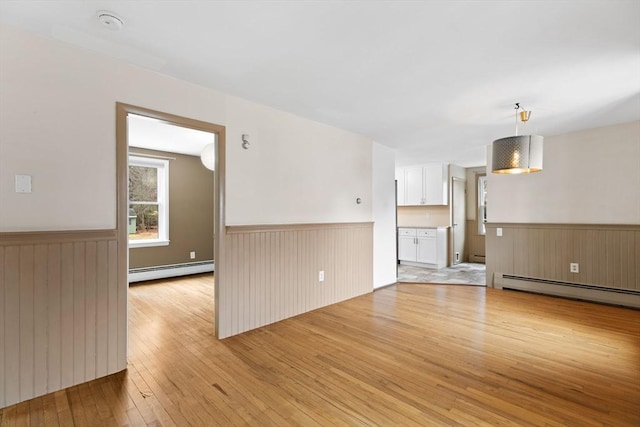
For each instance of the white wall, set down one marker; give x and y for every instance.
(57, 123)
(384, 216)
(296, 170)
(456, 171)
(588, 177)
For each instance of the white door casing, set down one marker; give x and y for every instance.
(458, 219)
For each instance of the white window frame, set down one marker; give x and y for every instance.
(162, 166)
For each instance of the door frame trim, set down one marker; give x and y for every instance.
(122, 162)
(452, 253)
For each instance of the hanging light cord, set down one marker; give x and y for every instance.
(517, 108)
(524, 115)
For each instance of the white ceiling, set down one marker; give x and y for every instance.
(145, 132)
(436, 80)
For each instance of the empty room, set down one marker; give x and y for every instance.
(316, 213)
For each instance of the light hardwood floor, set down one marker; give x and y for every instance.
(426, 355)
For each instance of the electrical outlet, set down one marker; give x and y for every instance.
(321, 276)
(499, 232)
(192, 254)
(23, 183)
(574, 267)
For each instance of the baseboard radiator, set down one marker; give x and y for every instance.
(623, 297)
(172, 270)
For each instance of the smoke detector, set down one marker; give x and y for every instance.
(110, 20)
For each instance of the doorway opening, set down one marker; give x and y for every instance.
(171, 214)
(150, 146)
(454, 219)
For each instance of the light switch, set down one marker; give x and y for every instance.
(23, 183)
(499, 232)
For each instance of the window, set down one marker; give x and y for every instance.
(148, 202)
(482, 204)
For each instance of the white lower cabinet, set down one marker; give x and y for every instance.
(427, 246)
(407, 248)
(424, 247)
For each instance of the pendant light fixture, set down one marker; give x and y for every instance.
(208, 156)
(518, 154)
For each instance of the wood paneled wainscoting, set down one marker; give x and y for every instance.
(272, 271)
(475, 243)
(62, 314)
(537, 257)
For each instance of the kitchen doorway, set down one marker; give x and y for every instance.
(459, 218)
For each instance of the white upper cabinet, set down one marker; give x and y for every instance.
(423, 185)
(436, 179)
(414, 184)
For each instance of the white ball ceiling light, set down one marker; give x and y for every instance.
(208, 156)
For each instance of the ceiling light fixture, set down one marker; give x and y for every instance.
(208, 156)
(110, 20)
(518, 154)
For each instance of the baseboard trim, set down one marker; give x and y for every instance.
(621, 297)
(377, 288)
(167, 271)
(423, 265)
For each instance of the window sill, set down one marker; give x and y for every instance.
(147, 243)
